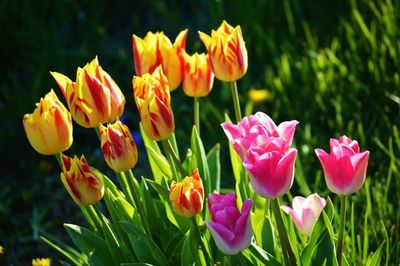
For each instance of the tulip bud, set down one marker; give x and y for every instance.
(230, 229)
(227, 51)
(49, 127)
(198, 77)
(94, 98)
(153, 101)
(187, 196)
(345, 167)
(118, 146)
(82, 182)
(155, 50)
(305, 212)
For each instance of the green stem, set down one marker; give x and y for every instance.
(287, 251)
(121, 177)
(236, 103)
(201, 243)
(341, 228)
(168, 149)
(134, 187)
(58, 157)
(227, 260)
(242, 259)
(92, 217)
(196, 112)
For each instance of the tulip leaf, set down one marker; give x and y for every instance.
(261, 256)
(324, 251)
(186, 253)
(111, 239)
(265, 235)
(375, 259)
(160, 162)
(90, 244)
(145, 248)
(214, 166)
(109, 184)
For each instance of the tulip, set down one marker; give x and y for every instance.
(41, 262)
(153, 101)
(271, 167)
(82, 182)
(187, 196)
(198, 77)
(305, 212)
(49, 127)
(94, 98)
(156, 49)
(230, 229)
(249, 131)
(118, 146)
(227, 51)
(345, 167)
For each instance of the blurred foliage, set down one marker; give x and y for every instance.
(333, 66)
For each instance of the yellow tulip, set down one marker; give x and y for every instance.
(118, 146)
(49, 127)
(156, 49)
(83, 183)
(187, 196)
(198, 77)
(153, 101)
(227, 51)
(94, 97)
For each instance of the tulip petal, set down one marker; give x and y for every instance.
(286, 131)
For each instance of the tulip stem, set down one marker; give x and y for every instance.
(287, 251)
(341, 229)
(197, 233)
(170, 150)
(121, 177)
(236, 103)
(134, 188)
(58, 157)
(197, 113)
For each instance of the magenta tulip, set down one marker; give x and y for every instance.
(249, 130)
(230, 229)
(345, 167)
(305, 212)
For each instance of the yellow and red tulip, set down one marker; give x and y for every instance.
(94, 98)
(83, 183)
(187, 196)
(153, 101)
(156, 49)
(49, 127)
(198, 77)
(118, 146)
(227, 51)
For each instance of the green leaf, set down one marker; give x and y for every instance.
(112, 241)
(162, 164)
(90, 244)
(200, 160)
(145, 249)
(214, 166)
(325, 252)
(186, 254)
(375, 259)
(262, 257)
(265, 235)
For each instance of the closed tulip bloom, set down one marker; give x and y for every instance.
(153, 101)
(345, 167)
(198, 77)
(251, 129)
(83, 183)
(305, 212)
(118, 146)
(227, 51)
(49, 127)
(229, 227)
(271, 167)
(156, 49)
(187, 196)
(94, 98)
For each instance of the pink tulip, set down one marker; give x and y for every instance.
(249, 130)
(305, 212)
(230, 229)
(345, 167)
(271, 167)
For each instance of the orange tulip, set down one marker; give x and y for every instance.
(49, 127)
(156, 49)
(153, 101)
(227, 51)
(82, 182)
(198, 77)
(118, 146)
(187, 196)
(94, 97)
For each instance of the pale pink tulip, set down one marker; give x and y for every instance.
(230, 229)
(345, 167)
(305, 212)
(249, 131)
